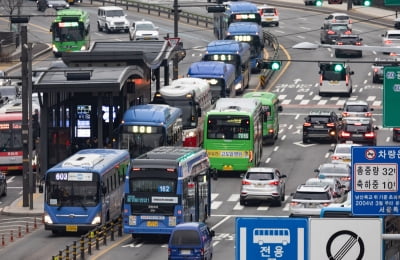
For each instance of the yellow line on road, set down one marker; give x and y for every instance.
(108, 249)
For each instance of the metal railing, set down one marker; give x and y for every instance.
(92, 240)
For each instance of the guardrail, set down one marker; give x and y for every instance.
(267, 74)
(92, 240)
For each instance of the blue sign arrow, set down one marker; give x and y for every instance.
(271, 238)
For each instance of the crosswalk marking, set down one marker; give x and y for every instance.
(234, 197)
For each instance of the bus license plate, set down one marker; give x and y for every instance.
(71, 228)
(152, 223)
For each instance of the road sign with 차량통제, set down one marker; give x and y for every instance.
(261, 238)
(391, 96)
(375, 180)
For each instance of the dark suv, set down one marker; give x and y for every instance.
(321, 125)
(358, 130)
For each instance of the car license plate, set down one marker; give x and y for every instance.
(185, 252)
(334, 82)
(260, 184)
(269, 19)
(346, 160)
(318, 126)
(357, 135)
(71, 228)
(147, 38)
(152, 223)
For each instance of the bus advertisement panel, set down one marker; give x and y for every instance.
(219, 75)
(167, 186)
(240, 11)
(233, 134)
(235, 53)
(145, 127)
(85, 190)
(70, 31)
(193, 97)
(271, 109)
(252, 34)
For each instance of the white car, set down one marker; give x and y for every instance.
(269, 15)
(340, 171)
(342, 153)
(143, 30)
(338, 18)
(356, 108)
(337, 187)
(391, 38)
(308, 200)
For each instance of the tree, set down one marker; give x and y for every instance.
(12, 7)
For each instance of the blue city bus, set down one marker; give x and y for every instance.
(251, 33)
(85, 190)
(145, 127)
(239, 11)
(235, 53)
(166, 187)
(219, 75)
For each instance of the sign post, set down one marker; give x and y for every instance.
(271, 238)
(375, 180)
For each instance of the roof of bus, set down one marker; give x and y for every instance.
(15, 107)
(95, 159)
(227, 47)
(184, 86)
(237, 104)
(241, 7)
(209, 69)
(72, 12)
(151, 113)
(266, 98)
(245, 27)
(167, 156)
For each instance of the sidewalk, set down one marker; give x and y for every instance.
(16, 208)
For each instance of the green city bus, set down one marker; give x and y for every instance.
(70, 31)
(233, 135)
(271, 109)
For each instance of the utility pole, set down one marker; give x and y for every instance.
(175, 58)
(25, 115)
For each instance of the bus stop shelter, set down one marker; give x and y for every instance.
(83, 99)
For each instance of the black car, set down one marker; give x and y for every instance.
(3, 184)
(358, 130)
(321, 125)
(330, 32)
(42, 5)
(348, 39)
(396, 134)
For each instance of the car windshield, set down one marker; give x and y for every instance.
(145, 27)
(357, 108)
(115, 13)
(260, 176)
(303, 195)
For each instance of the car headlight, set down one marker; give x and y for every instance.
(50, 6)
(67, 6)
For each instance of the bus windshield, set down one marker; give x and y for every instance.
(68, 33)
(252, 40)
(189, 117)
(228, 127)
(72, 193)
(10, 139)
(139, 142)
(244, 17)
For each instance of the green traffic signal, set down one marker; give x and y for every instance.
(270, 65)
(338, 67)
(367, 2)
(275, 65)
(318, 3)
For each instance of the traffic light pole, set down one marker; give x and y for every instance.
(175, 58)
(24, 127)
(349, 5)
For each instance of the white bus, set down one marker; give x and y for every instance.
(271, 236)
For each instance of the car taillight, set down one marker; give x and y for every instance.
(344, 114)
(331, 32)
(276, 12)
(350, 21)
(347, 32)
(347, 80)
(345, 178)
(345, 134)
(388, 42)
(307, 124)
(276, 183)
(244, 182)
(330, 124)
(335, 157)
(339, 43)
(368, 114)
(369, 135)
(376, 70)
(358, 43)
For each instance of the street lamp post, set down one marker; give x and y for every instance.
(175, 58)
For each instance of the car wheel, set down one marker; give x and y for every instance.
(374, 80)
(277, 24)
(242, 202)
(99, 27)
(107, 29)
(305, 140)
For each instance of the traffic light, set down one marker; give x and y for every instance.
(337, 67)
(272, 65)
(318, 3)
(367, 2)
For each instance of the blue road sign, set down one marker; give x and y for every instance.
(375, 180)
(280, 238)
